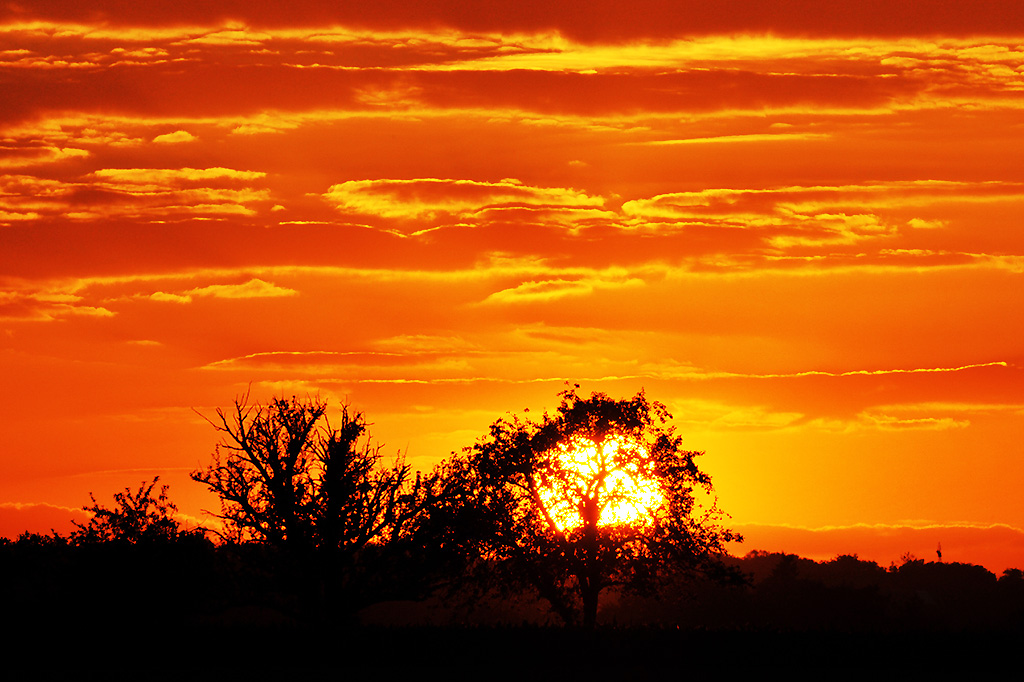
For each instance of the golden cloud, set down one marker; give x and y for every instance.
(254, 288)
(27, 157)
(551, 289)
(162, 177)
(174, 138)
(45, 306)
(431, 197)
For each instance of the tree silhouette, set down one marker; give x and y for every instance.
(139, 517)
(357, 501)
(287, 477)
(598, 495)
(262, 469)
(292, 481)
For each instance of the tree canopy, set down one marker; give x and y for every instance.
(599, 494)
(333, 517)
(137, 518)
(287, 477)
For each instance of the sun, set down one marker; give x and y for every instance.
(604, 482)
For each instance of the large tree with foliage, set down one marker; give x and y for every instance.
(599, 494)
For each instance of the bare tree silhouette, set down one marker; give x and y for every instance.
(262, 470)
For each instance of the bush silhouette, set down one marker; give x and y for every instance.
(137, 518)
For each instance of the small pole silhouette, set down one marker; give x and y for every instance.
(939, 552)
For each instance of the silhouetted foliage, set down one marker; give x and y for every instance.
(121, 603)
(318, 496)
(132, 579)
(139, 517)
(130, 572)
(286, 477)
(511, 495)
(262, 470)
(943, 595)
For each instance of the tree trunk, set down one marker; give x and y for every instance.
(590, 598)
(590, 581)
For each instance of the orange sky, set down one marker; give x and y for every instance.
(797, 226)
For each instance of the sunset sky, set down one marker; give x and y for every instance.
(798, 225)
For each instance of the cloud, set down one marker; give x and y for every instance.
(955, 407)
(551, 289)
(389, 95)
(753, 137)
(232, 36)
(727, 417)
(38, 517)
(158, 193)
(166, 297)
(254, 288)
(28, 157)
(825, 229)
(44, 306)
(921, 224)
(162, 177)
(297, 358)
(174, 138)
(886, 422)
(715, 415)
(430, 198)
(700, 374)
(8, 216)
(354, 366)
(801, 218)
(130, 193)
(809, 199)
(71, 130)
